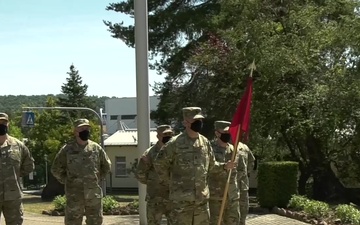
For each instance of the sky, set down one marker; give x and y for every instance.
(40, 39)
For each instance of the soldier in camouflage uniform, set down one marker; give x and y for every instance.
(223, 151)
(81, 165)
(185, 161)
(157, 196)
(243, 180)
(15, 162)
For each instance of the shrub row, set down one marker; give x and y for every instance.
(347, 214)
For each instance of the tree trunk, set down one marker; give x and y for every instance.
(328, 188)
(304, 170)
(317, 165)
(304, 176)
(321, 189)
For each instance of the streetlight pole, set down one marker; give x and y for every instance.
(142, 90)
(83, 109)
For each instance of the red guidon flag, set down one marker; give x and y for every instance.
(241, 117)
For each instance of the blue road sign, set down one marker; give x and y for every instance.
(28, 119)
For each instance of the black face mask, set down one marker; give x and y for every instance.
(196, 126)
(3, 129)
(84, 135)
(165, 139)
(225, 138)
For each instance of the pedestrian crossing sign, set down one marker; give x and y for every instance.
(28, 119)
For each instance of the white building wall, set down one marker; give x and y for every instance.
(124, 109)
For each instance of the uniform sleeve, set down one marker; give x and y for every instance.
(214, 166)
(143, 167)
(241, 167)
(105, 164)
(27, 164)
(164, 160)
(58, 168)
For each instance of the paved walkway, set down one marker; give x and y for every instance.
(36, 219)
(273, 219)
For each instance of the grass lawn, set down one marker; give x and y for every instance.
(34, 204)
(126, 198)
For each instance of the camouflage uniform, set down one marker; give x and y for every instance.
(15, 162)
(157, 196)
(243, 180)
(81, 169)
(186, 162)
(217, 182)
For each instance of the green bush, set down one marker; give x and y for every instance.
(109, 203)
(277, 182)
(59, 203)
(298, 202)
(312, 208)
(134, 204)
(317, 209)
(348, 214)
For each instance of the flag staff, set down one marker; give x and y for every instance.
(236, 122)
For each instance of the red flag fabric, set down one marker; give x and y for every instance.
(242, 115)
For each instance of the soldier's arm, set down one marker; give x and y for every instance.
(164, 160)
(105, 164)
(214, 166)
(143, 167)
(27, 161)
(241, 167)
(58, 168)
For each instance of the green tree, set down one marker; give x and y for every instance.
(75, 94)
(46, 138)
(15, 131)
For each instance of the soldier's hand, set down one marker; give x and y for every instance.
(230, 165)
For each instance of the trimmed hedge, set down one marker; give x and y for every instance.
(277, 182)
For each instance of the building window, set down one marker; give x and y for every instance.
(128, 117)
(120, 166)
(113, 117)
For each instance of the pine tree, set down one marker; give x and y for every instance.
(75, 92)
(75, 95)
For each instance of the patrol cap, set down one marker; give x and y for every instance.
(192, 113)
(81, 122)
(222, 125)
(164, 129)
(4, 116)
